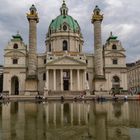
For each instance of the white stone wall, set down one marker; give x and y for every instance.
(116, 72)
(133, 75)
(19, 69)
(8, 74)
(56, 41)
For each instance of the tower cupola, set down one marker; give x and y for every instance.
(64, 9)
(97, 16)
(33, 15)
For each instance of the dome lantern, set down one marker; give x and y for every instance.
(64, 9)
(64, 22)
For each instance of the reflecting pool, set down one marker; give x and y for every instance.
(70, 121)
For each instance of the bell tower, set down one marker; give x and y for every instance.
(32, 80)
(99, 77)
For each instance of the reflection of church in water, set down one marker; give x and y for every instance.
(63, 66)
(72, 121)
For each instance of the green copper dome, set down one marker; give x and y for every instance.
(67, 20)
(64, 20)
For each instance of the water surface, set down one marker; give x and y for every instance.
(70, 121)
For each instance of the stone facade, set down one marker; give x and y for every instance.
(133, 76)
(64, 66)
(115, 64)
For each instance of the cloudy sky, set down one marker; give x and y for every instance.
(122, 17)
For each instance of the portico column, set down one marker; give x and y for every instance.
(78, 80)
(85, 79)
(54, 79)
(71, 86)
(47, 79)
(61, 81)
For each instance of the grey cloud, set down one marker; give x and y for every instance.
(13, 18)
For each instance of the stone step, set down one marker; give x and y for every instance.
(53, 93)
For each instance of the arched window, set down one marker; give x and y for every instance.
(64, 12)
(15, 46)
(32, 12)
(44, 76)
(14, 85)
(64, 27)
(116, 79)
(114, 47)
(97, 12)
(65, 45)
(116, 84)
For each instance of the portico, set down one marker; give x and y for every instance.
(64, 79)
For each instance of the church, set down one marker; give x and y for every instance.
(64, 68)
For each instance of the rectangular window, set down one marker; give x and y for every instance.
(15, 61)
(115, 61)
(44, 61)
(44, 76)
(87, 76)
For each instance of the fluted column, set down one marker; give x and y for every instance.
(47, 80)
(78, 80)
(71, 80)
(85, 79)
(32, 61)
(54, 79)
(98, 59)
(61, 81)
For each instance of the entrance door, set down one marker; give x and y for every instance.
(14, 85)
(66, 84)
(116, 84)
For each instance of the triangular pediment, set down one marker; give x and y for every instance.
(66, 60)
